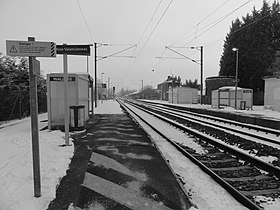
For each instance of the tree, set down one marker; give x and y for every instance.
(124, 92)
(14, 88)
(192, 84)
(257, 37)
(176, 80)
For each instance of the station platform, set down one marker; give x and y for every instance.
(125, 169)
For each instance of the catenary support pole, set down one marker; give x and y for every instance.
(201, 74)
(34, 126)
(95, 73)
(236, 81)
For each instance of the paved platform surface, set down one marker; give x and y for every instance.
(125, 170)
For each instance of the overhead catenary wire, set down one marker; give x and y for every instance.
(118, 52)
(195, 26)
(254, 22)
(133, 53)
(151, 32)
(214, 23)
(84, 18)
(204, 29)
(155, 27)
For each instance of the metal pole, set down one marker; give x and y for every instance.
(87, 63)
(34, 126)
(20, 104)
(92, 96)
(66, 106)
(236, 81)
(201, 74)
(172, 89)
(108, 87)
(102, 88)
(142, 89)
(95, 73)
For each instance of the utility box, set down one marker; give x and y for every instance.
(225, 96)
(78, 94)
(183, 95)
(272, 93)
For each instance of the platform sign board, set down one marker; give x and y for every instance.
(30, 48)
(73, 49)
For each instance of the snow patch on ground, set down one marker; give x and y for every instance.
(16, 168)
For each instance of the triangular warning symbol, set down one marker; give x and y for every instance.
(13, 49)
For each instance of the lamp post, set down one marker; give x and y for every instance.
(236, 77)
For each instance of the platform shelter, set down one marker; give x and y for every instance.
(80, 93)
(225, 97)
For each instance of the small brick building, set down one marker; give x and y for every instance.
(214, 83)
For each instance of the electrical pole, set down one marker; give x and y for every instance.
(95, 73)
(142, 89)
(201, 73)
(108, 87)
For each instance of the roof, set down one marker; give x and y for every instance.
(232, 88)
(220, 77)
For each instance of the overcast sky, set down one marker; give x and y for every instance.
(150, 24)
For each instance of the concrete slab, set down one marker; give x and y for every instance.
(126, 171)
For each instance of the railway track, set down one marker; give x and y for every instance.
(263, 144)
(241, 174)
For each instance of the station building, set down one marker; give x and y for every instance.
(214, 83)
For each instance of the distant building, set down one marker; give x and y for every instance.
(183, 95)
(272, 93)
(163, 88)
(150, 94)
(214, 83)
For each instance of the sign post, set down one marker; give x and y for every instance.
(32, 49)
(69, 50)
(34, 126)
(66, 106)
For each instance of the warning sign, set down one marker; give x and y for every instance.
(13, 49)
(30, 48)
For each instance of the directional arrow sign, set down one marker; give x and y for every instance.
(30, 48)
